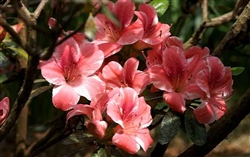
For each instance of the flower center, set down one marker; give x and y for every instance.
(70, 72)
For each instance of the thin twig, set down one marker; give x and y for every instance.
(206, 24)
(47, 54)
(40, 142)
(234, 31)
(70, 34)
(220, 20)
(22, 97)
(22, 122)
(159, 150)
(204, 10)
(40, 7)
(21, 133)
(11, 31)
(49, 144)
(6, 3)
(196, 36)
(21, 9)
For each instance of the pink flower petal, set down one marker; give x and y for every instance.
(223, 89)
(204, 114)
(202, 81)
(124, 11)
(131, 34)
(88, 87)
(159, 79)
(64, 97)
(148, 16)
(80, 109)
(143, 138)
(97, 128)
(130, 69)
(175, 101)
(195, 50)
(91, 60)
(52, 72)
(126, 142)
(100, 101)
(174, 41)
(143, 114)
(109, 48)
(140, 82)
(112, 73)
(210, 110)
(216, 69)
(67, 53)
(174, 63)
(122, 104)
(4, 109)
(192, 91)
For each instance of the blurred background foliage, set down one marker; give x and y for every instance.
(184, 16)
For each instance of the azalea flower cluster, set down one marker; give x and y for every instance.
(118, 112)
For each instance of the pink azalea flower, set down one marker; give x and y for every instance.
(96, 125)
(216, 83)
(71, 70)
(154, 31)
(4, 109)
(112, 37)
(128, 76)
(176, 76)
(132, 115)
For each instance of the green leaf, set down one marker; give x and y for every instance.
(99, 153)
(237, 70)
(160, 6)
(3, 78)
(169, 127)
(161, 105)
(196, 131)
(20, 52)
(90, 28)
(39, 91)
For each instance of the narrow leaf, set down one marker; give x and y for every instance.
(237, 70)
(196, 131)
(110, 16)
(20, 52)
(160, 6)
(3, 78)
(99, 153)
(39, 91)
(169, 127)
(90, 28)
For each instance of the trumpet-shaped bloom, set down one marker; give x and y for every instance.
(128, 76)
(154, 31)
(132, 115)
(96, 125)
(4, 109)
(111, 36)
(216, 83)
(175, 77)
(71, 70)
